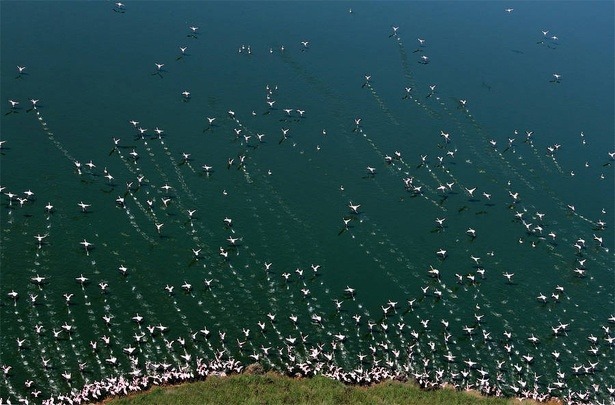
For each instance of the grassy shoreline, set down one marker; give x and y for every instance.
(273, 388)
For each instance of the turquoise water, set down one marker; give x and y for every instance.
(94, 70)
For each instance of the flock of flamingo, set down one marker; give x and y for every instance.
(300, 230)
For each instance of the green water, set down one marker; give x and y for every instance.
(94, 70)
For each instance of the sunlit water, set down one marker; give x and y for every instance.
(93, 69)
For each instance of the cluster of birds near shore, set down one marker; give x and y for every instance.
(91, 335)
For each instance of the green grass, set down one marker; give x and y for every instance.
(275, 389)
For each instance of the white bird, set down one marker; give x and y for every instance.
(40, 238)
(84, 206)
(471, 191)
(86, 246)
(470, 363)
(38, 279)
(81, 280)
(349, 290)
(354, 208)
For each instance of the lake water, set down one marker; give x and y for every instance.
(92, 66)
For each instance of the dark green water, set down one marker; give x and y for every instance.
(94, 70)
